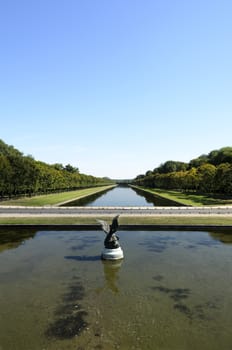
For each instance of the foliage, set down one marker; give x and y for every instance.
(55, 198)
(171, 166)
(210, 173)
(193, 199)
(22, 175)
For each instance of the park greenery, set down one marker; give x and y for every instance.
(192, 199)
(55, 199)
(124, 220)
(23, 175)
(206, 180)
(208, 174)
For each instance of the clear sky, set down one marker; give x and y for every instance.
(116, 87)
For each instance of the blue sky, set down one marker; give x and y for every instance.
(115, 87)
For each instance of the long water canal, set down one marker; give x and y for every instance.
(122, 196)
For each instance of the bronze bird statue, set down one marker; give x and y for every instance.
(111, 240)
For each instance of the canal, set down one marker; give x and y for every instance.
(122, 196)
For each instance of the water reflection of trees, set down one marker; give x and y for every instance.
(156, 200)
(82, 202)
(222, 236)
(13, 238)
(149, 198)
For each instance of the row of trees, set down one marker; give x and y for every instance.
(210, 173)
(21, 174)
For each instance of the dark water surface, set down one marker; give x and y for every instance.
(122, 196)
(172, 291)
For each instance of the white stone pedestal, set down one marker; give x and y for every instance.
(112, 254)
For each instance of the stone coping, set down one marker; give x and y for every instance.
(89, 211)
(116, 207)
(128, 227)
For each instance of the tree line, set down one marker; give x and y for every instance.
(23, 175)
(209, 173)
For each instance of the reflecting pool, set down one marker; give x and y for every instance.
(122, 196)
(173, 290)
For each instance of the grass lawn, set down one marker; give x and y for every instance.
(55, 198)
(189, 199)
(123, 220)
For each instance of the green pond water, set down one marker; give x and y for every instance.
(173, 290)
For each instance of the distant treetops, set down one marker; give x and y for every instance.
(209, 173)
(20, 174)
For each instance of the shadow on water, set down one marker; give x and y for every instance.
(206, 241)
(223, 237)
(179, 296)
(83, 243)
(83, 202)
(13, 238)
(156, 200)
(83, 257)
(158, 244)
(70, 316)
(110, 269)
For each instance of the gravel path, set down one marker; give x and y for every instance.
(46, 211)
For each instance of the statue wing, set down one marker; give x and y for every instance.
(114, 225)
(105, 226)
